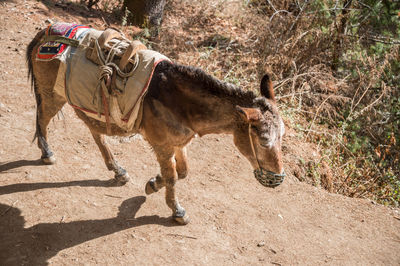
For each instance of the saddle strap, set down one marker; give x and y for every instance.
(132, 49)
(106, 113)
(62, 39)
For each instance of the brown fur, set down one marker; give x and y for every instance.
(181, 102)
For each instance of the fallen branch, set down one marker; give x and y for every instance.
(112, 196)
(391, 42)
(191, 237)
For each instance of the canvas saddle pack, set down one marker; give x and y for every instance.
(106, 76)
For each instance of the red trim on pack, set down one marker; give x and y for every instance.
(146, 86)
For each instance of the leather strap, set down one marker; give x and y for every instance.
(107, 35)
(129, 52)
(62, 39)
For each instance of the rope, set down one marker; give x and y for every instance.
(108, 61)
(102, 93)
(252, 147)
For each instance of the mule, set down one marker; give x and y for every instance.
(181, 102)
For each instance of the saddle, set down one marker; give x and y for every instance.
(102, 51)
(102, 73)
(106, 42)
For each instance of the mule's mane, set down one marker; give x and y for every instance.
(210, 85)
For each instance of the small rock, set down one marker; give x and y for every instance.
(125, 140)
(261, 244)
(144, 167)
(28, 175)
(181, 241)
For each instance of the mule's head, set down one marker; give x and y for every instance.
(259, 135)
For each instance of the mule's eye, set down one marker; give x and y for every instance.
(264, 143)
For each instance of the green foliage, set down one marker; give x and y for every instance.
(371, 129)
(357, 98)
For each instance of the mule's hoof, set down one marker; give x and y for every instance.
(122, 179)
(182, 220)
(182, 175)
(151, 186)
(49, 160)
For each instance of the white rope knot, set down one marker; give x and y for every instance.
(106, 71)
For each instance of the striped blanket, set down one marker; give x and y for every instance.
(53, 49)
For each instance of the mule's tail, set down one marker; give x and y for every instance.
(31, 76)
(29, 51)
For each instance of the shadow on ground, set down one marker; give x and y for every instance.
(81, 10)
(37, 244)
(23, 187)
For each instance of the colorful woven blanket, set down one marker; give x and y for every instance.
(52, 49)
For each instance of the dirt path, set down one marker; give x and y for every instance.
(68, 214)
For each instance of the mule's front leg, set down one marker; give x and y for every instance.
(156, 183)
(165, 157)
(181, 162)
(121, 176)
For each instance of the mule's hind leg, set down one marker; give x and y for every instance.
(47, 107)
(121, 176)
(47, 101)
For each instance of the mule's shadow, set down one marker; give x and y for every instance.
(22, 187)
(7, 166)
(37, 244)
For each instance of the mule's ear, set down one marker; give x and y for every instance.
(266, 88)
(250, 115)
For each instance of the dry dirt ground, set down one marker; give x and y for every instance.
(68, 214)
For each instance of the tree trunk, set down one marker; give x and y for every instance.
(145, 13)
(341, 25)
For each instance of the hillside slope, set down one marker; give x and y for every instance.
(68, 214)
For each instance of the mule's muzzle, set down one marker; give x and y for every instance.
(268, 178)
